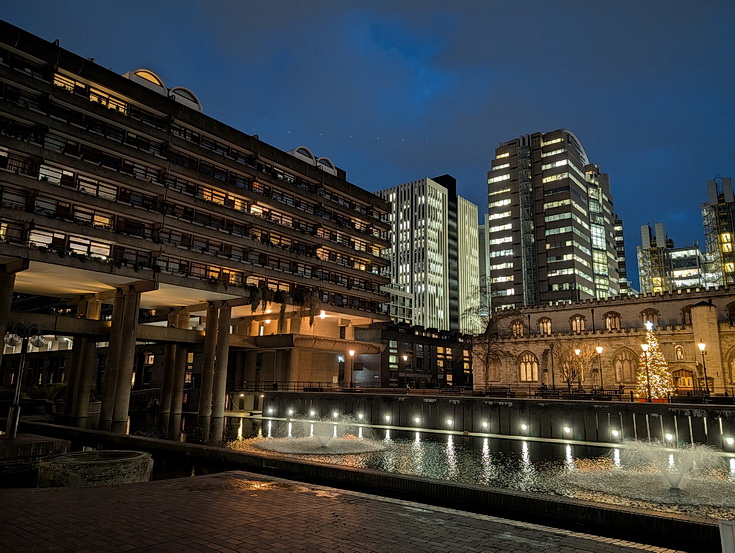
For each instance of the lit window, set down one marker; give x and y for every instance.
(499, 178)
(555, 177)
(554, 141)
(499, 228)
(500, 215)
(544, 326)
(503, 240)
(500, 203)
(528, 365)
(553, 164)
(506, 154)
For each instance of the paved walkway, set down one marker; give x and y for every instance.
(244, 512)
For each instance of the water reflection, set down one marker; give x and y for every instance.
(541, 467)
(451, 459)
(568, 457)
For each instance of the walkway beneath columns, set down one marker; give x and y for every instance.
(240, 511)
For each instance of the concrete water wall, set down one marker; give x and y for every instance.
(594, 421)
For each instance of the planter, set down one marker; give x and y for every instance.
(95, 468)
(727, 536)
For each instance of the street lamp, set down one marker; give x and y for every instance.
(701, 346)
(645, 347)
(577, 352)
(352, 367)
(598, 349)
(20, 335)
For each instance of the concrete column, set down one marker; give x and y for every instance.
(296, 323)
(169, 360)
(7, 282)
(86, 376)
(283, 366)
(220, 373)
(349, 368)
(177, 392)
(126, 360)
(112, 364)
(83, 367)
(238, 367)
(72, 387)
(210, 345)
(177, 379)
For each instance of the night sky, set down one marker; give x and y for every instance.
(397, 90)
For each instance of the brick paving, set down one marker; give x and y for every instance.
(237, 511)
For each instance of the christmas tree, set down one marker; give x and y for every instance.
(654, 376)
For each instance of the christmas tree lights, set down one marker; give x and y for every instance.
(654, 377)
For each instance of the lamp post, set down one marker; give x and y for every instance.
(598, 349)
(645, 347)
(20, 335)
(553, 383)
(352, 367)
(577, 352)
(701, 346)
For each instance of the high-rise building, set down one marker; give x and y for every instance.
(551, 235)
(625, 287)
(130, 217)
(718, 215)
(662, 267)
(484, 268)
(434, 252)
(654, 260)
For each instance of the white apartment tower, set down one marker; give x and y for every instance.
(434, 251)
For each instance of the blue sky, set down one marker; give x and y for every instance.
(393, 91)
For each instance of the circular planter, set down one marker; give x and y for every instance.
(95, 468)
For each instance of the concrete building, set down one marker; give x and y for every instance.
(417, 357)
(552, 228)
(524, 361)
(129, 216)
(434, 252)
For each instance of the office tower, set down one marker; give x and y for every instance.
(551, 224)
(625, 287)
(718, 215)
(484, 256)
(434, 252)
(654, 260)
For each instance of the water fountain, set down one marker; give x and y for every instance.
(685, 479)
(655, 476)
(337, 436)
(674, 464)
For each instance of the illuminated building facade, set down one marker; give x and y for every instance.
(662, 267)
(718, 215)
(434, 251)
(681, 320)
(551, 226)
(128, 216)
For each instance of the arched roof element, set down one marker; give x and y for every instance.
(186, 97)
(148, 79)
